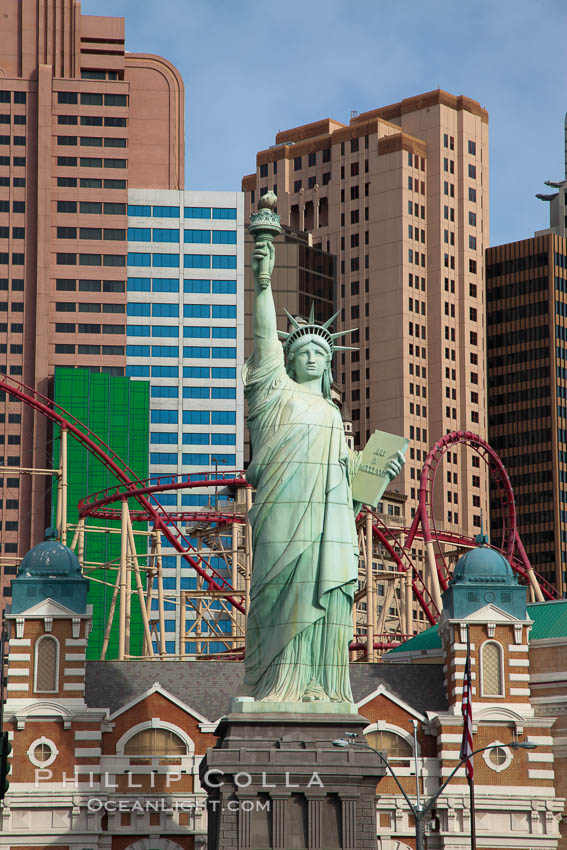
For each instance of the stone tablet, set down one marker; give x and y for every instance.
(372, 477)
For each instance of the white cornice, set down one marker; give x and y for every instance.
(156, 688)
(48, 608)
(382, 690)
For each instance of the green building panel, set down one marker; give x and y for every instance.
(116, 409)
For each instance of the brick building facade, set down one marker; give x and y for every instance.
(107, 754)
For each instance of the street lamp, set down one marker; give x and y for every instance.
(421, 810)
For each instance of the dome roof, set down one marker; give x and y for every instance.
(483, 565)
(50, 558)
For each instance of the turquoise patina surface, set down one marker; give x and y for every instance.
(305, 548)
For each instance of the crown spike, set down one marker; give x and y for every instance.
(330, 321)
(293, 321)
(312, 313)
(342, 333)
(345, 348)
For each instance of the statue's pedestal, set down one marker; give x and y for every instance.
(275, 780)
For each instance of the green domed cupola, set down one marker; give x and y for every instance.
(50, 570)
(482, 577)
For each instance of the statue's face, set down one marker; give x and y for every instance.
(310, 362)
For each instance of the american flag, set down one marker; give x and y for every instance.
(466, 708)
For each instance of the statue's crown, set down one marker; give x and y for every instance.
(310, 327)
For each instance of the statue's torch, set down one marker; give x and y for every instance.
(264, 227)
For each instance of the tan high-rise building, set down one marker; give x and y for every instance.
(400, 195)
(80, 121)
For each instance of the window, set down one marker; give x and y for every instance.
(491, 662)
(297, 163)
(137, 209)
(194, 212)
(90, 141)
(222, 287)
(297, 185)
(114, 99)
(85, 232)
(195, 236)
(391, 744)
(46, 671)
(196, 286)
(224, 237)
(224, 262)
(472, 194)
(67, 97)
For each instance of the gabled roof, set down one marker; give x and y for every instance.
(205, 687)
(549, 621)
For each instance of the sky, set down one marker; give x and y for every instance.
(251, 69)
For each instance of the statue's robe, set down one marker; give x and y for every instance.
(305, 548)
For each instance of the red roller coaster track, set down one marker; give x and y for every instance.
(130, 487)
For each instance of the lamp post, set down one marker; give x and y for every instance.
(421, 810)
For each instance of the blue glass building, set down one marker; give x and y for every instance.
(185, 335)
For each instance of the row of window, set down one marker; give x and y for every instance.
(202, 439)
(88, 307)
(145, 210)
(87, 182)
(69, 259)
(113, 234)
(166, 284)
(17, 259)
(216, 372)
(16, 140)
(163, 234)
(189, 351)
(70, 285)
(172, 331)
(193, 392)
(90, 207)
(19, 96)
(17, 233)
(69, 348)
(193, 417)
(71, 328)
(95, 141)
(93, 120)
(19, 161)
(190, 311)
(190, 459)
(92, 98)
(190, 261)
(17, 206)
(17, 182)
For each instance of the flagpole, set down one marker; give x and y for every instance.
(473, 813)
(467, 742)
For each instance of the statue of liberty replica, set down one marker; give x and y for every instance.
(281, 736)
(305, 548)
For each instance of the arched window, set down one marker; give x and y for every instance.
(492, 669)
(155, 742)
(46, 664)
(390, 743)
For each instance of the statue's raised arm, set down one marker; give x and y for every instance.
(265, 226)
